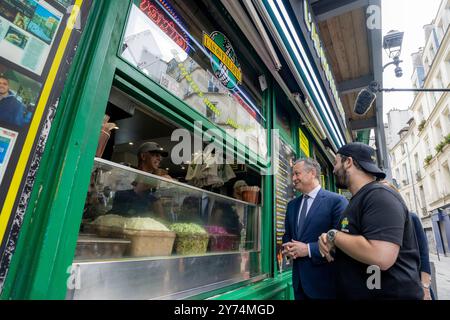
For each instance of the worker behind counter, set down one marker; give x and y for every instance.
(141, 200)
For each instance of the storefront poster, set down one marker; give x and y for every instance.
(43, 37)
(27, 32)
(304, 143)
(7, 141)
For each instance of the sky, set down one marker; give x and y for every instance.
(408, 16)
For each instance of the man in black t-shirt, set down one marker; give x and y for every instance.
(375, 248)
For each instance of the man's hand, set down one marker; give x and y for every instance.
(325, 247)
(426, 294)
(295, 249)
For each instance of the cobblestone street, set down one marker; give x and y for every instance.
(442, 276)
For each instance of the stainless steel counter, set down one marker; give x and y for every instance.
(166, 278)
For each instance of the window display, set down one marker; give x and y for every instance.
(198, 65)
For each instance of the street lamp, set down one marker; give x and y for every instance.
(392, 44)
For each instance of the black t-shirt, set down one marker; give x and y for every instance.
(379, 213)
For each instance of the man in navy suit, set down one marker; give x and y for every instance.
(307, 217)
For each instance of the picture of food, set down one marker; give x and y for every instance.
(21, 21)
(44, 24)
(17, 38)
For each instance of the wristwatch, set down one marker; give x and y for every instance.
(331, 235)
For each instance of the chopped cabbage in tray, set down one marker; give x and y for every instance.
(110, 220)
(144, 224)
(113, 220)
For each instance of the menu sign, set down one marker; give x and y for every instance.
(284, 192)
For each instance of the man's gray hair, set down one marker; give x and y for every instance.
(310, 164)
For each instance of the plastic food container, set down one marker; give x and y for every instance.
(250, 194)
(144, 243)
(191, 243)
(149, 243)
(223, 242)
(91, 247)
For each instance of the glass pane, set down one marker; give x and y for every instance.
(179, 56)
(129, 213)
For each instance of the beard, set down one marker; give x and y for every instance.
(341, 179)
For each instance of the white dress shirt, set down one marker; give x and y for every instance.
(312, 196)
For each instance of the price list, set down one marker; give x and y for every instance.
(284, 192)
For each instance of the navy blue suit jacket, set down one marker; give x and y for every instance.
(315, 274)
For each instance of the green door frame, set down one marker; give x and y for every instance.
(48, 236)
(47, 241)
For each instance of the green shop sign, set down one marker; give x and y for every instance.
(224, 62)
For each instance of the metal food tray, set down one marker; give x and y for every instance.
(93, 247)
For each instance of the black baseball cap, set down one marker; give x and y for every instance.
(365, 156)
(152, 147)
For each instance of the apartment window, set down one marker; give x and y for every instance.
(210, 114)
(439, 84)
(426, 63)
(405, 174)
(416, 163)
(448, 118)
(423, 203)
(437, 131)
(420, 115)
(445, 121)
(403, 148)
(426, 144)
(440, 31)
(408, 199)
(213, 85)
(447, 69)
(446, 178)
(433, 188)
(433, 51)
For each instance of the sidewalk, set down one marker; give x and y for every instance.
(442, 275)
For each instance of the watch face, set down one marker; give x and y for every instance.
(330, 235)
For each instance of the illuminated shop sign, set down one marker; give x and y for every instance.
(224, 62)
(158, 11)
(312, 28)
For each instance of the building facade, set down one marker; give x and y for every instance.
(421, 157)
(251, 81)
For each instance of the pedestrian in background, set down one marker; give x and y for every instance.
(425, 267)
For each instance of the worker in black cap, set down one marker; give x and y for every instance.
(149, 156)
(142, 199)
(375, 248)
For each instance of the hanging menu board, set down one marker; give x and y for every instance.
(284, 192)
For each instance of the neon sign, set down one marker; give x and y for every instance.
(224, 62)
(158, 13)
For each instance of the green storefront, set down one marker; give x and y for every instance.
(185, 75)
